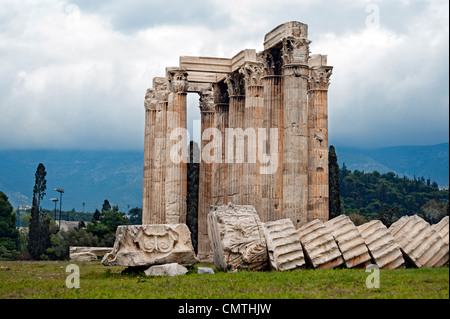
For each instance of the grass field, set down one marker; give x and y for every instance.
(23, 279)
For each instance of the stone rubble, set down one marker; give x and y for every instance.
(205, 270)
(349, 240)
(80, 253)
(420, 243)
(237, 238)
(319, 245)
(283, 245)
(381, 244)
(172, 270)
(146, 245)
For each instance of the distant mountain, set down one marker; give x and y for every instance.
(430, 161)
(86, 176)
(93, 176)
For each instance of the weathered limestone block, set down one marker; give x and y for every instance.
(172, 269)
(319, 245)
(87, 253)
(419, 242)
(146, 245)
(283, 245)
(382, 246)
(83, 256)
(349, 240)
(443, 229)
(205, 270)
(237, 238)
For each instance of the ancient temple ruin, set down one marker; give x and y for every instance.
(274, 100)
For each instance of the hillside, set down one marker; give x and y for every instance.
(430, 161)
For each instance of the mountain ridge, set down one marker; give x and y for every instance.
(93, 176)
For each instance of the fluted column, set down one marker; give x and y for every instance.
(295, 142)
(235, 84)
(253, 119)
(153, 202)
(318, 196)
(272, 184)
(205, 178)
(220, 167)
(176, 173)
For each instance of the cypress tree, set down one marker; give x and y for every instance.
(334, 188)
(39, 231)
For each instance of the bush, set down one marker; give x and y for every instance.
(61, 242)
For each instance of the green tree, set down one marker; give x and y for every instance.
(388, 216)
(135, 216)
(61, 242)
(40, 184)
(105, 228)
(106, 206)
(40, 229)
(433, 211)
(9, 235)
(97, 215)
(333, 180)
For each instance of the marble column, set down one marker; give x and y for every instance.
(318, 83)
(220, 167)
(176, 172)
(295, 54)
(272, 184)
(205, 177)
(233, 153)
(253, 119)
(153, 204)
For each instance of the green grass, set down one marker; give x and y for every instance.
(23, 279)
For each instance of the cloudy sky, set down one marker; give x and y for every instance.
(73, 74)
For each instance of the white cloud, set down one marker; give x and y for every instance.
(75, 76)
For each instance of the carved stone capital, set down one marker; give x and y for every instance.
(271, 62)
(178, 80)
(319, 78)
(158, 94)
(207, 101)
(252, 73)
(295, 50)
(235, 84)
(220, 93)
(150, 100)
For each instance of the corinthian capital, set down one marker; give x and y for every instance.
(159, 93)
(235, 84)
(271, 62)
(207, 101)
(319, 77)
(177, 78)
(295, 50)
(252, 73)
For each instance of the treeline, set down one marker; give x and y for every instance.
(43, 239)
(367, 196)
